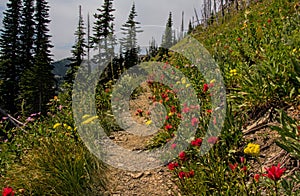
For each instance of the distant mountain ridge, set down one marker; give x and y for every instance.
(60, 67)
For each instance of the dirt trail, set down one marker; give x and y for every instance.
(128, 183)
(154, 182)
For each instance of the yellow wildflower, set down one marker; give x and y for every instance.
(188, 85)
(69, 128)
(252, 149)
(86, 116)
(148, 122)
(89, 120)
(56, 125)
(183, 80)
(233, 72)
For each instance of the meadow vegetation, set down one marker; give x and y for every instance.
(257, 51)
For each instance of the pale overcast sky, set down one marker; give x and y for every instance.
(152, 14)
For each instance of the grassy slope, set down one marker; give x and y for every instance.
(262, 44)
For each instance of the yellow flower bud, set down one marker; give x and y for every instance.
(56, 125)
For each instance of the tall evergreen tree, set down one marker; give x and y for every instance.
(27, 35)
(9, 45)
(37, 84)
(168, 39)
(103, 37)
(78, 50)
(129, 41)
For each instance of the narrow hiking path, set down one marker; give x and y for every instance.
(157, 181)
(153, 182)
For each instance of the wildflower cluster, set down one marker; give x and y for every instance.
(252, 149)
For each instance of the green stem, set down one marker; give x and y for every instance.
(260, 165)
(276, 188)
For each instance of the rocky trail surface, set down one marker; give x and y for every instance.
(152, 182)
(157, 181)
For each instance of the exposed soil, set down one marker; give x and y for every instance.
(153, 182)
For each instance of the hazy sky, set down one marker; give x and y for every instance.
(152, 14)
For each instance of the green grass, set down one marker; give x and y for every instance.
(41, 159)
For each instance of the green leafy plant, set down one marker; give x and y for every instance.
(289, 131)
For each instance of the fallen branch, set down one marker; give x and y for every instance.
(259, 124)
(14, 121)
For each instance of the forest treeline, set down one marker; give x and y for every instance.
(27, 82)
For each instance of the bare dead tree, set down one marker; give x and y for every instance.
(215, 10)
(236, 5)
(88, 44)
(197, 18)
(204, 14)
(14, 121)
(222, 8)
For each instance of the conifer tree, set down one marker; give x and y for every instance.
(153, 48)
(129, 41)
(9, 54)
(27, 35)
(78, 50)
(37, 84)
(168, 39)
(190, 28)
(103, 37)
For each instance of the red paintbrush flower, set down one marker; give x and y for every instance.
(181, 175)
(233, 167)
(274, 172)
(168, 126)
(212, 140)
(8, 191)
(256, 177)
(190, 174)
(244, 169)
(205, 87)
(196, 142)
(194, 121)
(182, 155)
(172, 165)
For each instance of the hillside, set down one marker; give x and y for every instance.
(242, 109)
